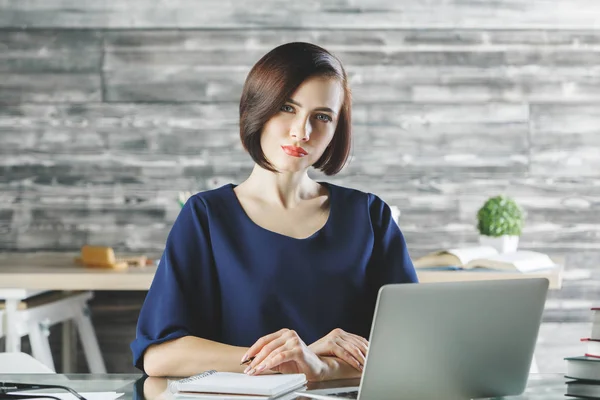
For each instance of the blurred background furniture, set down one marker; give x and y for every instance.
(32, 313)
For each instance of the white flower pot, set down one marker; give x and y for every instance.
(503, 244)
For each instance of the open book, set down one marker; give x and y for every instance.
(216, 384)
(486, 257)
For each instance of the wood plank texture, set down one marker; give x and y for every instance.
(383, 66)
(103, 169)
(18, 88)
(574, 14)
(50, 66)
(567, 138)
(50, 51)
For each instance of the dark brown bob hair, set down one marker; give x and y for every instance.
(271, 83)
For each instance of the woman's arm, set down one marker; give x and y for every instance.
(190, 355)
(390, 253)
(183, 301)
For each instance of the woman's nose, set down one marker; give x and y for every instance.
(301, 130)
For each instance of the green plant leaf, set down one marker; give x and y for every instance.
(500, 215)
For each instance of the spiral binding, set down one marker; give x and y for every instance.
(199, 376)
(174, 386)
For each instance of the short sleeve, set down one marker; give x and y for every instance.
(182, 300)
(390, 251)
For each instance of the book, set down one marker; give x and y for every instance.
(585, 389)
(233, 383)
(593, 347)
(585, 368)
(595, 334)
(454, 257)
(486, 257)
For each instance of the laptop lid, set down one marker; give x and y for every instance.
(453, 340)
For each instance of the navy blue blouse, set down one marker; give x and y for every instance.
(224, 278)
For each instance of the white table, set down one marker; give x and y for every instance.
(554, 276)
(57, 271)
(26, 274)
(23, 275)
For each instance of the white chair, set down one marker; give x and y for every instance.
(35, 315)
(21, 363)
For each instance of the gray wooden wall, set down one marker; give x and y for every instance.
(108, 108)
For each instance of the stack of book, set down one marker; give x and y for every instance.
(583, 372)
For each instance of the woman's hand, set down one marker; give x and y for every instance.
(346, 346)
(284, 352)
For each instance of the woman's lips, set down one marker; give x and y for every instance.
(294, 151)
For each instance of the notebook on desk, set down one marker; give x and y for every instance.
(213, 384)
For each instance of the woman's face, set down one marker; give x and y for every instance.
(296, 137)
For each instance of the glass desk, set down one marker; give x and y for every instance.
(139, 387)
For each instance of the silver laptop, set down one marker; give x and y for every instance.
(457, 340)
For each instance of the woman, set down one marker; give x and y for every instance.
(254, 272)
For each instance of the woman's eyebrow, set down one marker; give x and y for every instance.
(316, 109)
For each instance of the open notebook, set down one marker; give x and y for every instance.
(213, 383)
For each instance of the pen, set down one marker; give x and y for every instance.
(248, 361)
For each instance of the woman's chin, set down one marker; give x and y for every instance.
(291, 167)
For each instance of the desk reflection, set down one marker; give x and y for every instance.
(155, 388)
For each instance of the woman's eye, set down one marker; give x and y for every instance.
(287, 108)
(324, 117)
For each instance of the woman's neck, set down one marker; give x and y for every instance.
(285, 189)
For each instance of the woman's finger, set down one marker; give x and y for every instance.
(281, 357)
(260, 343)
(263, 353)
(360, 339)
(358, 343)
(352, 337)
(349, 353)
(261, 365)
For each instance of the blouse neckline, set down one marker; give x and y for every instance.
(315, 234)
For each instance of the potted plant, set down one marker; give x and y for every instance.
(499, 222)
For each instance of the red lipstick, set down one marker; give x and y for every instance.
(294, 151)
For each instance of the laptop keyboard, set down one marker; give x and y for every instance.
(345, 395)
